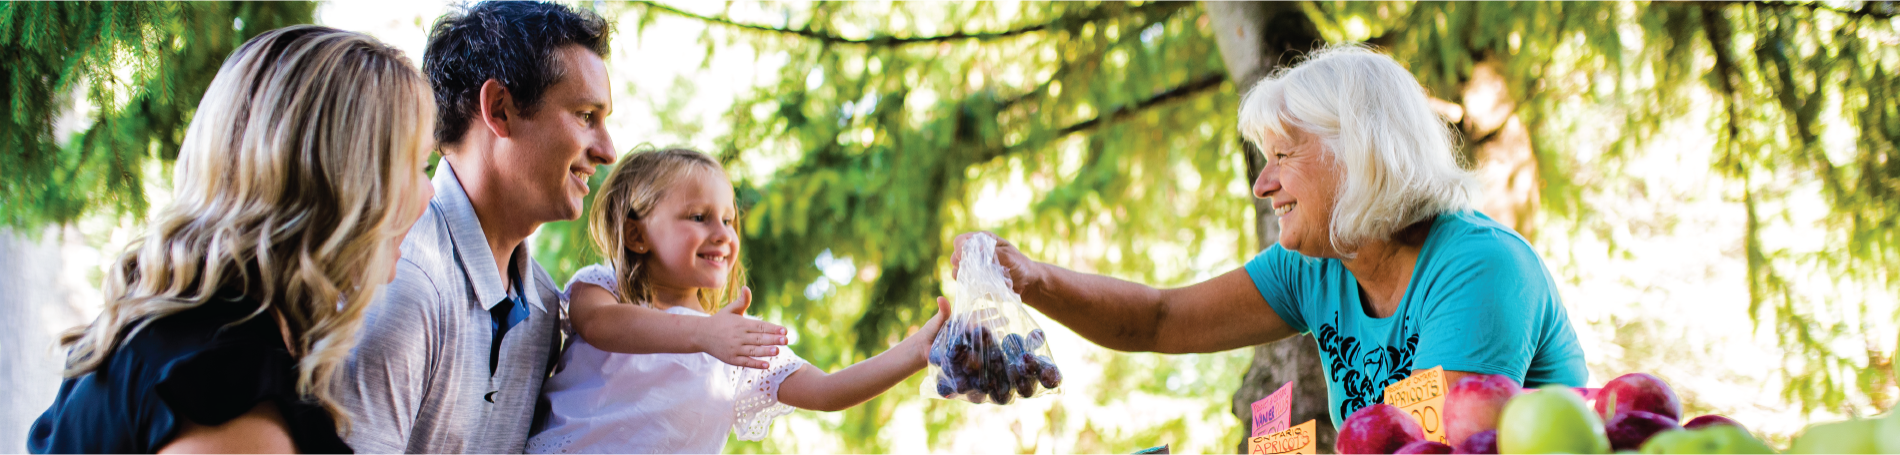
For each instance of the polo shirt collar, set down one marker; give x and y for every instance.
(477, 261)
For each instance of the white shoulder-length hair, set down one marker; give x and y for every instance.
(1394, 152)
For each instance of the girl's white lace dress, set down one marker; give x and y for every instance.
(607, 402)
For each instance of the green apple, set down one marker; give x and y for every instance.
(1552, 419)
(1853, 436)
(1711, 439)
(1889, 439)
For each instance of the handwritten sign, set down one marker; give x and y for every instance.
(1422, 396)
(1273, 413)
(1298, 439)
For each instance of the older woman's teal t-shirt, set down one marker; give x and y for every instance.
(1480, 301)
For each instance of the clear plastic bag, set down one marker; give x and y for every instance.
(990, 351)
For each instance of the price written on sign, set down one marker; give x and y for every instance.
(1422, 396)
(1273, 413)
(1298, 439)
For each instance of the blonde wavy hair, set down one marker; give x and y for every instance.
(289, 188)
(1396, 155)
(633, 189)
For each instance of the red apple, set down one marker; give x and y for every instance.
(1712, 419)
(1481, 443)
(1638, 392)
(1425, 447)
(1629, 429)
(1379, 428)
(1473, 404)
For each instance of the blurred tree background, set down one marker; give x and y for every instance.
(1100, 137)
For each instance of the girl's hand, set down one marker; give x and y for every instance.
(732, 338)
(918, 348)
(1023, 272)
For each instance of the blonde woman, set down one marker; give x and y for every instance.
(224, 325)
(1381, 257)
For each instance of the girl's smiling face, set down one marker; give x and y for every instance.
(688, 239)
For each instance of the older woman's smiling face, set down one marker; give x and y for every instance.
(1302, 179)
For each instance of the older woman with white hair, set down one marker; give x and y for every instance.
(1381, 257)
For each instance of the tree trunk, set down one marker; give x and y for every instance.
(1255, 39)
(1498, 146)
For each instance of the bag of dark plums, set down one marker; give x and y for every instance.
(990, 351)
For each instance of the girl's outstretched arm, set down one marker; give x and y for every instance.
(727, 335)
(812, 388)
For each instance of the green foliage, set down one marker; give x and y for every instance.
(143, 65)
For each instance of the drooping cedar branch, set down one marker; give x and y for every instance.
(1180, 92)
(1095, 14)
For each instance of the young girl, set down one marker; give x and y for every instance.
(665, 222)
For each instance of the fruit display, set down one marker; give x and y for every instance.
(1379, 428)
(1853, 436)
(1708, 439)
(1483, 442)
(1633, 413)
(1425, 447)
(1553, 419)
(1472, 406)
(1628, 430)
(1638, 392)
(990, 351)
(1711, 419)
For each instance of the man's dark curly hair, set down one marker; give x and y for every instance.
(511, 42)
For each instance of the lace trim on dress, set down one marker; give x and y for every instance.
(755, 395)
(598, 275)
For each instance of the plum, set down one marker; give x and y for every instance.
(1638, 392)
(1050, 377)
(938, 352)
(1473, 403)
(1000, 392)
(1034, 341)
(1012, 345)
(964, 356)
(1379, 428)
(1483, 442)
(1431, 447)
(1026, 386)
(1711, 419)
(1028, 364)
(985, 339)
(1628, 430)
(946, 387)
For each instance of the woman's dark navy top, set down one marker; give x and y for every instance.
(192, 366)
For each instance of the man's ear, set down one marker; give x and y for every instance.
(497, 107)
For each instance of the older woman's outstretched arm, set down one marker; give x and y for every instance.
(1223, 313)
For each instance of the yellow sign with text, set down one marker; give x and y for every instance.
(1422, 396)
(1298, 439)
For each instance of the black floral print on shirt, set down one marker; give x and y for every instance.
(1363, 370)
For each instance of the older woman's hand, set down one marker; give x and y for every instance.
(1024, 273)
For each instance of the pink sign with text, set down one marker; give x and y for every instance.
(1275, 412)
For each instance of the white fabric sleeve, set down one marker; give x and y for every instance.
(598, 275)
(755, 395)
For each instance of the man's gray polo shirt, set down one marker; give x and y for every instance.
(419, 379)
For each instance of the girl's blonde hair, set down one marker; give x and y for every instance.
(633, 189)
(290, 184)
(1395, 153)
